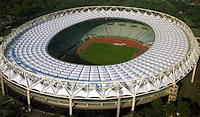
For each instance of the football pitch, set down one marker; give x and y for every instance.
(106, 54)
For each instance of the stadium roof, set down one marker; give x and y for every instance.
(167, 56)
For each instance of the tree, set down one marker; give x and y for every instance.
(156, 107)
(147, 112)
(183, 108)
(169, 109)
(15, 10)
(134, 114)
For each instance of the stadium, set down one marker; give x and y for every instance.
(98, 57)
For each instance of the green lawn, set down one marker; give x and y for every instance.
(105, 54)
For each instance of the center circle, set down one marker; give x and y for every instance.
(102, 41)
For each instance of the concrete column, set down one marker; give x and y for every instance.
(70, 106)
(133, 103)
(28, 100)
(173, 93)
(193, 74)
(118, 106)
(2, 85)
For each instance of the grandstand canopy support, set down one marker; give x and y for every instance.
(70, 106)
(28, 100)
(2, 85)
(193, 74)
(118, 106)
(133, 103)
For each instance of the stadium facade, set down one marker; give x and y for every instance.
(27, 68)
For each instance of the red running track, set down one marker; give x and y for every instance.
(112, 40)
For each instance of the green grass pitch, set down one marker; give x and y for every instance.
(106, 54)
